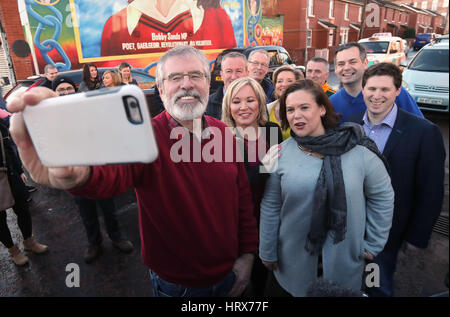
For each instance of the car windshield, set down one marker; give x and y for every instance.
(431, 61)
(376, 47)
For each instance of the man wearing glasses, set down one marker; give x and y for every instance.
(198, 231)
(87, 207)
(258, 66)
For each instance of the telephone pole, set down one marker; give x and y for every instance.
(363, 22)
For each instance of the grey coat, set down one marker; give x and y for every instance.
(286, 217)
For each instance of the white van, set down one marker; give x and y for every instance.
(381, 47)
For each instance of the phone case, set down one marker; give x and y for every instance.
(93, 128)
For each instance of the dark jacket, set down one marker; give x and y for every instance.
(416, 156)
(269, 89)
(46, 83)
(214, 108)
(13, 164)
(257, 179)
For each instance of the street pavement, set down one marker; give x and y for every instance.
(56, 222)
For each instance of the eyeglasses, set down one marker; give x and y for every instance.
(63, 90)
(194, 76)
(259, 64)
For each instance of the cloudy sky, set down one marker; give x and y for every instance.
(92, 16)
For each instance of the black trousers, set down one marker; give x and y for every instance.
(23, 221)
(89, 216)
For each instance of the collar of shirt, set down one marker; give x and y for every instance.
(389, 120)
(350, 99)
(172, 123)
(148, 7)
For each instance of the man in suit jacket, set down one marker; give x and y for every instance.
(414, 149)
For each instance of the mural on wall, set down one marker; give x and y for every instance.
(69, 33)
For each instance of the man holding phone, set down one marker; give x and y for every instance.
(198, 230)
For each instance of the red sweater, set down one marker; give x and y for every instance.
(195, 218)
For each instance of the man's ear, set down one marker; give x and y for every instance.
(366, 63)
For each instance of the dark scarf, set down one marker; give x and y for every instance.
(92, 85)
(330, 204)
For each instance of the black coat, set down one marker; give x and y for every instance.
(416, 155)
(13, 164)
(214, 108)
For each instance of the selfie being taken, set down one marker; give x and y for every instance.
(230, 173)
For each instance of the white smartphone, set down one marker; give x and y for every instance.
(105, 126)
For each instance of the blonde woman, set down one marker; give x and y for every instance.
(282, 78)
(111, 79)
(244, 110)
(125, 74)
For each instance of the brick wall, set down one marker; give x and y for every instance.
(9, 15)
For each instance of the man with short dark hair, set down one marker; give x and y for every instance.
(63, 85)
(258, 67)
(232, 67)
(50, 73)
(317, 69)
(415, 151)
(350, 62)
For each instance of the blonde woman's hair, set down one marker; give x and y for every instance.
(232, 91)
(122, 66)
(115, 77)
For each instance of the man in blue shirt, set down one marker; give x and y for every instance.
(415, 151)
(350, 62)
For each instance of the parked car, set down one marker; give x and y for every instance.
(423, 39)
(442, 38)
(426, 77)
(384, 49)
(278, 56)
(145, 81)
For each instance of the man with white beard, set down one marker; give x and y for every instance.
(198, 231)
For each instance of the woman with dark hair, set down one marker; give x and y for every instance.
(330, 195)
(91, 79)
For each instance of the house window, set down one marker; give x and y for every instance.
(343, 36)
(415, 4)
(331, 10)
(311, 8)
(424, 4)
(308, 38)
(445, 4)
(346, 12)
(434, 5)
(331, 37)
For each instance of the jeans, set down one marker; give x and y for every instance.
(387, 262)
(88, 213)
(162, 288)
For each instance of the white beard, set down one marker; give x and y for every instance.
(188, 111)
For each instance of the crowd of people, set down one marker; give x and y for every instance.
(324, 182)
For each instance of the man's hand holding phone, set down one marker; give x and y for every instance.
(58, 177)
